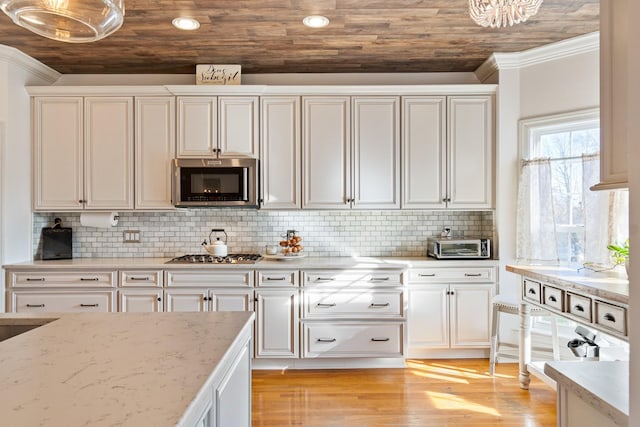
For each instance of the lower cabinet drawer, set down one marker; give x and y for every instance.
(579, 306)
(532, 291)
(359, 303)
(374, 339)
(552, 297)
(611, 317)
(62, 302)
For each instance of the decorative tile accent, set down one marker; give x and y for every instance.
(325, 233)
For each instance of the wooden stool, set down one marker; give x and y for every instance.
(502, 304)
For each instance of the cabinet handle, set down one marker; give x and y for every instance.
(205, 298)
(325, 279)
(88, 305)
(374, 305)
(472, 274)
(139, 278)
(552, 298)
(35, 305)
(276, 278)
(446, 199)
(39, 279)
(450, 293)
(532, 291)
(610, 317)
(89, 279)
(379, 339)
(325, 305)
(82, 201)
(326, 340)
(578, 307)
(159, 299)
(379, 279)
(427, 275)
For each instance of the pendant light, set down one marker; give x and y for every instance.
(502, 13)
(71, 21)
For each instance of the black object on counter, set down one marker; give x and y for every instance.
(57, 242)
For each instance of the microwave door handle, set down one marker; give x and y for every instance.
(245, 177)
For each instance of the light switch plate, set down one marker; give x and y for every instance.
(131, 236)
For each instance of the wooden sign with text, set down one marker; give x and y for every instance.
(212, 74)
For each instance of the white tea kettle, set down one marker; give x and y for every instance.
(216, 248)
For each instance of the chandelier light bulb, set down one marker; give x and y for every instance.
(316, 21)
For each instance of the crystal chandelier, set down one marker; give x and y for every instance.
(71, 21)
(500, 13)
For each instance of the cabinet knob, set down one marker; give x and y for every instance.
(159, 299)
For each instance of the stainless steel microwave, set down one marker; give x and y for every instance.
(458, 248)
(215, 182)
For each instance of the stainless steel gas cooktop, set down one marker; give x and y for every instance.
(210, 259)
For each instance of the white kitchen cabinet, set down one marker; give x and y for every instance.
(108, 152)
(154, 151)
(233, 394)
(613, 94)
(140, 300)
(210, 126)
(353, 313)
(424, 152)
(449, 309)
(277, 314)
(83, 153)
(342, 170)
(448, 155)
(61, 301)
(58, 153)
(208, 300)
(376, 152)
(470, 148)
(326, 152)
(280, 148)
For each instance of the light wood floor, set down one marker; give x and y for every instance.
(427, 393)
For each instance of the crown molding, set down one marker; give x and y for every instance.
(36, 68)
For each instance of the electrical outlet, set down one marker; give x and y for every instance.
(131, 236)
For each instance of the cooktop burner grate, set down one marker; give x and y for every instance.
(210, 259)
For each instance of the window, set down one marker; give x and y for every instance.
(559, 218)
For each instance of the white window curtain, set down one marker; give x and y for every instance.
(606, 214)
(536, 226)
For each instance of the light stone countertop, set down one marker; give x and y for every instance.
(611, 284)
(603, 385)
(308, 262)
(107, 369)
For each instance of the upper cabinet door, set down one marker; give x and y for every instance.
(238, 126)
(109, 152)
(154, 151)
(326, 152)
(58, 153)
(424, 155)
(376, 152)
(613, 95)
(470, 152)
(280, 152)
(197, 126)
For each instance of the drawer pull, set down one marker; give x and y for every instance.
(325, 305)
(427, 275)
(552, 298)
(325, 279)
(35, 305)
(276, 278)
(31, 279)
(89, 305)
(374, 305)
(532, 291)
(472, 274)
(379, 279)
(610, 317)
(578, 307)
(326, 340)
(146, 278)
(379, 339)
(89, 279)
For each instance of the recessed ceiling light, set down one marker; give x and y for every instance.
(316, 21)
(186, 23)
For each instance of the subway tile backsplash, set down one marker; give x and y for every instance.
(324, 233)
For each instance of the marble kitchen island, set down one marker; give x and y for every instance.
(127, 369)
